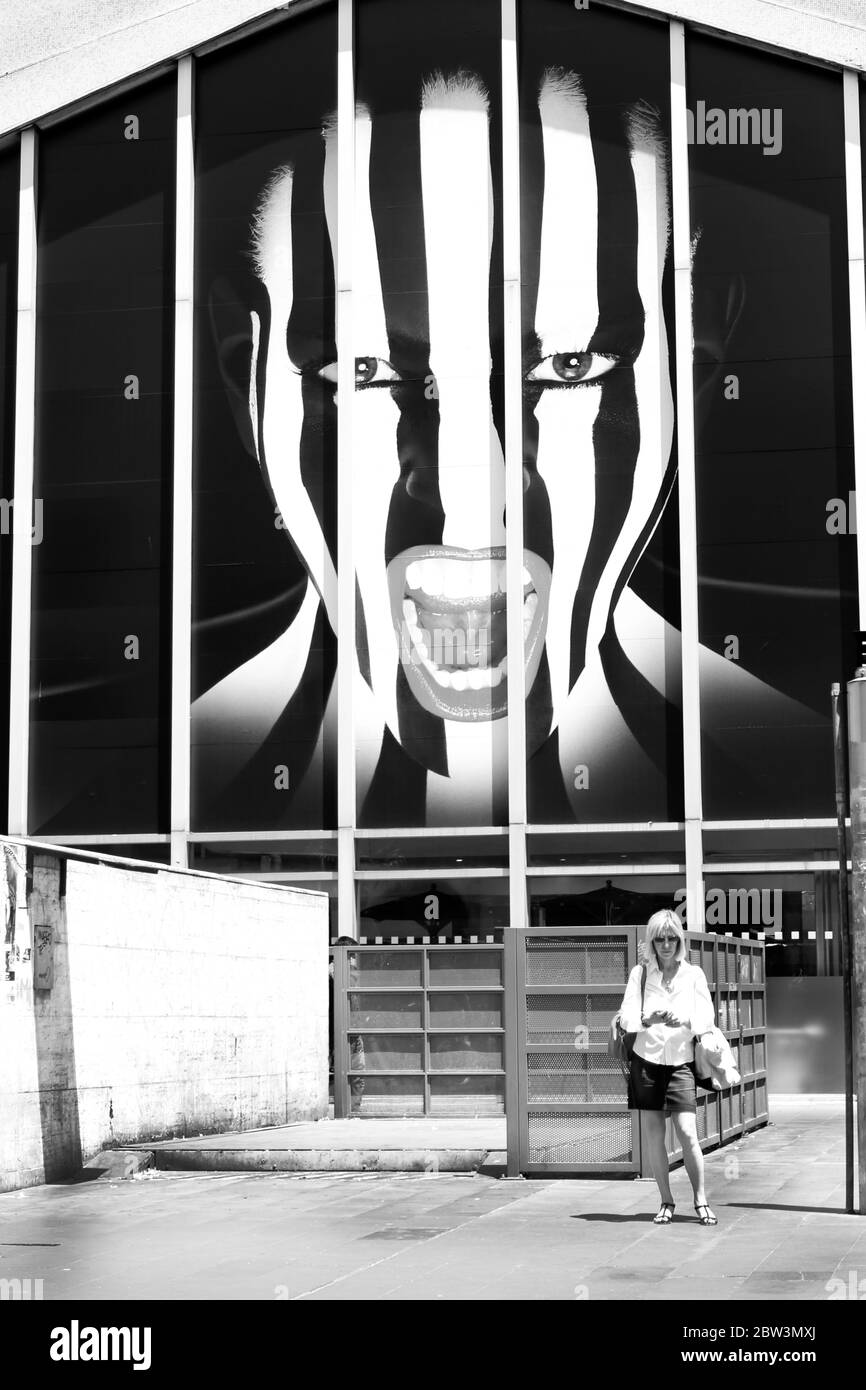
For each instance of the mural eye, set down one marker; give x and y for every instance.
(571, 368)
(374, 371)
(369, 371)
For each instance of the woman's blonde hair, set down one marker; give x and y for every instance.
(661, 922)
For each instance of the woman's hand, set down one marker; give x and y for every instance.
(657, 1017)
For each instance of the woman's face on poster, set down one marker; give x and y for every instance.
(427, 427)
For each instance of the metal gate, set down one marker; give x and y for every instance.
(567, 1106)
(419, 1030)
(570, 1112)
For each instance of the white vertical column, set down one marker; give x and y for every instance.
(181, 553)
(686, 479)
(513, 368)
(857, 296)
(22, 511)
(346, 814)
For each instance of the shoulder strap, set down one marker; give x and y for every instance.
(642, 986)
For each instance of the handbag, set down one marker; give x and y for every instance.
(619, 1043)
(701, 1068)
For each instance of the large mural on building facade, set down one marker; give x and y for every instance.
(600, 612)
(428, 421)
(601, 609)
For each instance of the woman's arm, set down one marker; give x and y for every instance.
(704, 1015)
(630, 1009)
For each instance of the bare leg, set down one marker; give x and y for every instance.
(654, 1132)
(685, 1125)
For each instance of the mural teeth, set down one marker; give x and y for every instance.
(459, 680)
(413, 575)
(431, 577)
(477, 679)
(496, 675)
(410, 612)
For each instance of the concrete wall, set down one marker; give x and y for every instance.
(181, 1004)
(54, 52)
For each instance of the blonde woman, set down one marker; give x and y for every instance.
(676, 1008)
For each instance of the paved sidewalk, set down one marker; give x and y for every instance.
(779, 1194)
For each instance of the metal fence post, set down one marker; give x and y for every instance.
(857, 773)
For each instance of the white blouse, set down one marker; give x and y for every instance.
(689, 999)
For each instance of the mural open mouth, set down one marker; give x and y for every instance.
(449, 612)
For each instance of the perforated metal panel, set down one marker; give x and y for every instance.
(574, 1076)
(571, 1097)
(557, 1018)
(578, 1140)
(554, 960)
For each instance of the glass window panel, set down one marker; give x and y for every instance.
(466, 1010)
(429, 527)
(467, 1095)
(776, 554)
(385, 1052)
(102, 569)
(434, 908)
(465, 967)
(264, 514)
(371, 1010)
(471, 1052)
(388, 1096)
(598, 416)
(387, 968)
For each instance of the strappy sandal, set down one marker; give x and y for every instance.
(665, 1214)
(709, 1217)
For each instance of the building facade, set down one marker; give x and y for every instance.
(430, 438)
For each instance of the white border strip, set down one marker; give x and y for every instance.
(181, 551)
(513, 369)
(22, 549)
(346, 814)
(686, 475)
(857, 299)
(604, 870)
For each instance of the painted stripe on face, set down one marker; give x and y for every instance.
(566, 312)
(457, 194)
(652, 384)
(282, 421)
(376, 419)
(565, 321)
(652, 367)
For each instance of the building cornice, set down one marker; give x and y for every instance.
(57, 55)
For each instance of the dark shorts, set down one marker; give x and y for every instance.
(652, 1086)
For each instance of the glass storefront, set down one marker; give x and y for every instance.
(101, 624)
(432, 837)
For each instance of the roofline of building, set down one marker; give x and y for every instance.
(63, 83)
